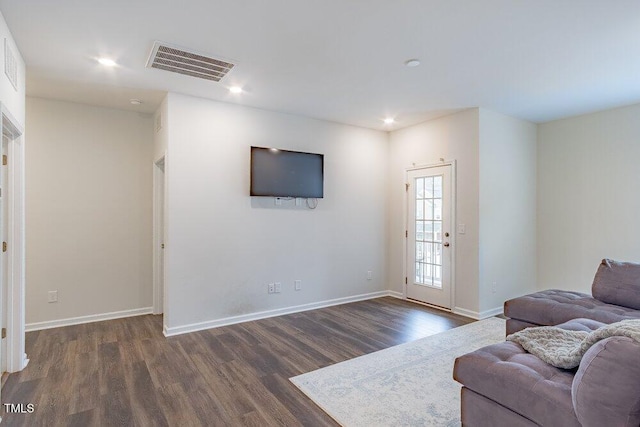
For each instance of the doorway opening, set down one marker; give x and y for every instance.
(12, 256)
(4, 279)
(158, 234)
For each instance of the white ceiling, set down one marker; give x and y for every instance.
(342, 60)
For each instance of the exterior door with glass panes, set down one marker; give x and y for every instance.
(428, 235)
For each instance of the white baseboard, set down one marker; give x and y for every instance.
(466, 313)
(36, 326)
(456, 310)
(490, 313)
(477, 315)
(398, 295)
(193, 327)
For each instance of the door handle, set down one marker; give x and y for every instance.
(445, 244)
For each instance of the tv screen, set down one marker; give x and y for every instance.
(282, 173)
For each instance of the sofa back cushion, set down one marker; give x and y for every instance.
(617, 283)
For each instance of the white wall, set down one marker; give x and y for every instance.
(450, 137)
(588, 198)
(223, 247)
(11, 98)
(88, 185)
(507, 209)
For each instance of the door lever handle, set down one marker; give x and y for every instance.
(445, 244)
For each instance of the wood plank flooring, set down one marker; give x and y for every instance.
(126, 373)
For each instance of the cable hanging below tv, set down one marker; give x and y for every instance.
(284, 173)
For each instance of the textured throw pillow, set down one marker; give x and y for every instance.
(617, 283)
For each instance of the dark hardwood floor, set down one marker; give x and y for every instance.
(125, 372)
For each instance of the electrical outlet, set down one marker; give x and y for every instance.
(297, 285)
(53, 296)
(278, 201)
(278, 287)
(272, 288)
(494, 288)
(369, 275)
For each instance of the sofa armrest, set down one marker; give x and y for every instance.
(606, 388)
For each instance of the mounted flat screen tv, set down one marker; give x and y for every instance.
(282, 173)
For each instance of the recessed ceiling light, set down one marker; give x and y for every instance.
(412, 62)
(107, 62)
(235, 89)
(389, 121)
(134, 101)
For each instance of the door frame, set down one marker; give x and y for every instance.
(15, 188)
(452, 241)
(159, 228)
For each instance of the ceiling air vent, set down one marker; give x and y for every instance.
(177, 60)
(10, 65)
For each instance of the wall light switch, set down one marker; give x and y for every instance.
(369, 275)
(271, 288)
(278, 287)
(297, 285)
(462, 228)
(278, 201)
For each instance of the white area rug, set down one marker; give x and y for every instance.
(407, 385)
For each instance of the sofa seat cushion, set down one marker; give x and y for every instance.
(552, 307)
(508, 375)
(586, 325)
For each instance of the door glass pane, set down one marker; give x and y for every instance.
(419, 209)
(437, 276)
(419, 230)
(428, 231)
(437, 186)
(428, 187)
(428, 274)
(419, 273)
(419, 188)
(437, 231)
(428, 253)
(428, 209)
(437, 209)
(419, 251)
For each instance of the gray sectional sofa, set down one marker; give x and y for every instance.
(503, 385)
(552, 307)
(615, 297)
